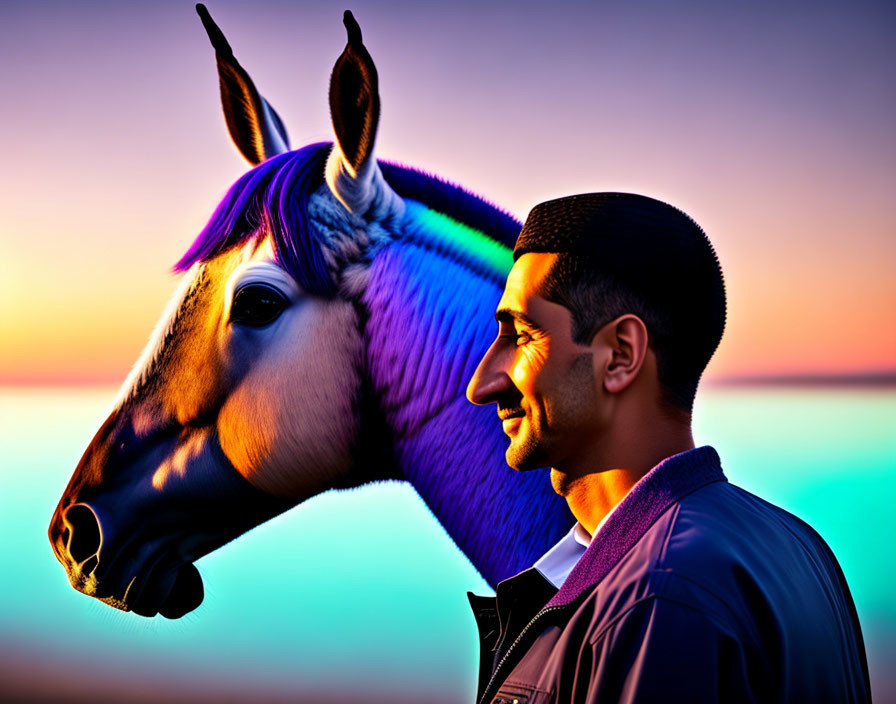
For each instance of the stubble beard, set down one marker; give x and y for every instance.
(524, 453)
(529, 451)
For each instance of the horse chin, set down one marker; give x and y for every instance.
(183, 596)
(186, 593)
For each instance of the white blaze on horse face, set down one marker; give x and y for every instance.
(289, 423)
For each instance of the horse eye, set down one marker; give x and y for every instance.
(257, 305)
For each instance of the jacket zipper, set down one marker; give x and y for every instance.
(529, 625)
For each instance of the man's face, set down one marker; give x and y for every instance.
(542, 381)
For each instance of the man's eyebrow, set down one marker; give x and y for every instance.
(509, 315)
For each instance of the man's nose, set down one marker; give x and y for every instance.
(488, 381)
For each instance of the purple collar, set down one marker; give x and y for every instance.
(670, 481)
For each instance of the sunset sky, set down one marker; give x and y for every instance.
(770, 123)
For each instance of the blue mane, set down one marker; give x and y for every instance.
(454, 201)
(429, 305)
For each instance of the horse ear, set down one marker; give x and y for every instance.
(352, 173)
(254, 125)
(354, 98)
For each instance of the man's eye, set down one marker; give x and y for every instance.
(257, 305)
(517, 338)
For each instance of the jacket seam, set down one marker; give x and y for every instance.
(523, 685)
(656, 597)
(732, 613)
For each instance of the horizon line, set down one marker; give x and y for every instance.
(875, 379)
(865, 378)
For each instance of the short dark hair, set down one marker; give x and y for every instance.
(624, 253)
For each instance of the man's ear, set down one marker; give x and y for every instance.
(625, 345)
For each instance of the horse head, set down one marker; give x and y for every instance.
(255, 391)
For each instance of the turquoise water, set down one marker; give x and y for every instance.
(360, 593)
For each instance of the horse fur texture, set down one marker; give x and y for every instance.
(430, 275)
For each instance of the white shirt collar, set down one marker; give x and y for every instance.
(556, 564)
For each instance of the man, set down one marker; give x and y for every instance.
(674, 585)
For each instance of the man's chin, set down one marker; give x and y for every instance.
(523, 457)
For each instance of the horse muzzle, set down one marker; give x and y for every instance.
(139, 511)
(131, 578)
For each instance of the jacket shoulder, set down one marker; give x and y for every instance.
(740, 560)
(727, 538)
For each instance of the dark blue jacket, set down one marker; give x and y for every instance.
(693, 591)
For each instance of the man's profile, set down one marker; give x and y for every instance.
(674, 585)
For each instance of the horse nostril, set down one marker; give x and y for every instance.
(85, 534)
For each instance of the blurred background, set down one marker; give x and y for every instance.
(771, 124)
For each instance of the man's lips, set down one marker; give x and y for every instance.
(511, 413)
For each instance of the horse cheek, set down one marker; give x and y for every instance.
(290, 425)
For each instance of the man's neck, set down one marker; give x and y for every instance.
(592, 493)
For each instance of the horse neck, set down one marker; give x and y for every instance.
(427, 329)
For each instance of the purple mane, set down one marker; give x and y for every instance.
(274, 196)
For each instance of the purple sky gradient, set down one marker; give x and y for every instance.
(770, 124)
